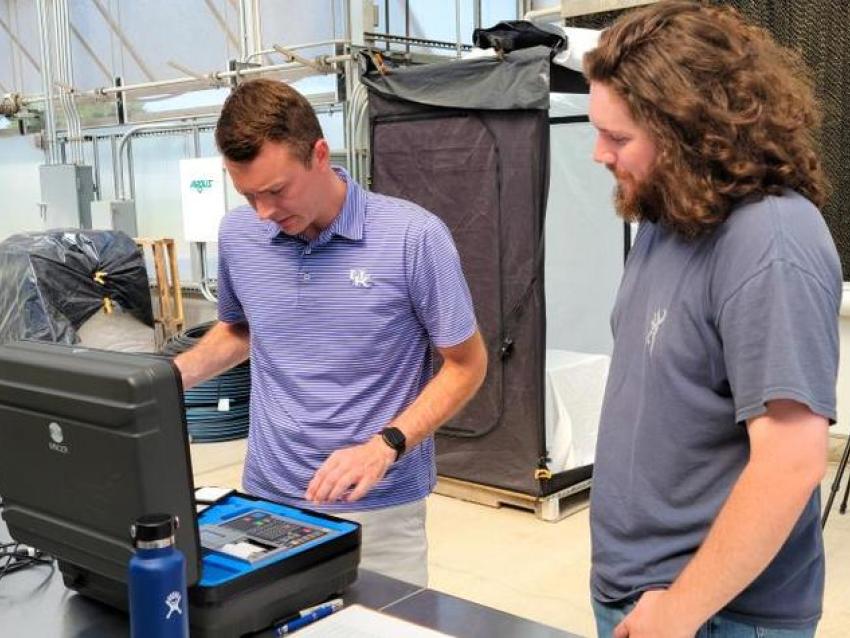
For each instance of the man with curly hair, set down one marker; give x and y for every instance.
(713, 435)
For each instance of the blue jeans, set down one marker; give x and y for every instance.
(609, 616)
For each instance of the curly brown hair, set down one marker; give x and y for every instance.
(732, 113)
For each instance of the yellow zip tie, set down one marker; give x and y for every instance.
(542, 473)
(107, 305)
(100, 277)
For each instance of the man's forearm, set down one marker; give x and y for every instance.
(752, 526)
(224, 346)
(357, 469)
(450, 389)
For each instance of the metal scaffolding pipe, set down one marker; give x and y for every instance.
(74, 126)
(61, 81)
(222, 23)
(118, 154)
(116, 178)
(205, 282)
(14, 39)
(296, 47)
(457, 28)
(131, 171)
(116, 28)
(243, 30)
(256, 33)
(120, 193)
(95, 160)
(50, 150)
(87, 48)
(215, 77)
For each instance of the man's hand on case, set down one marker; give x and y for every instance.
(350, 473)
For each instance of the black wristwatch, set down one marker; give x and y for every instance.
(395, 439)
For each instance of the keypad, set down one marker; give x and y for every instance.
(275, 529)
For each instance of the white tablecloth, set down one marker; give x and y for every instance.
(575, 385)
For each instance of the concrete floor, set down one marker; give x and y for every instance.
(508, 559)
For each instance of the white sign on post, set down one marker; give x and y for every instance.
(202, 194)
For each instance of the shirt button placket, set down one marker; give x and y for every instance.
(305, 276)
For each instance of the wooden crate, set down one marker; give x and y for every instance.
(168, 315)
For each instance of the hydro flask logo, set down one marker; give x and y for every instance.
(57, 437)
(172, 601)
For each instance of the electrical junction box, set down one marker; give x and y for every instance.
(67, 191)
(115, 215)
(202, 194)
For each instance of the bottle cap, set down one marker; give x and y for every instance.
(151, 528)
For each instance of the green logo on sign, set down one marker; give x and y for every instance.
(200, 185)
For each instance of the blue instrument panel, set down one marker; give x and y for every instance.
(269, 533)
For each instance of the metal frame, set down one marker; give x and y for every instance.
(64, 78)
(389, 38)
(55, 30)
(51, 155)
(222, 23)
(116, 29)
(20, 46)
(88, 49)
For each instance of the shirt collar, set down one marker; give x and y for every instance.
(350, 221)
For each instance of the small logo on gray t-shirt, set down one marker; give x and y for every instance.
(658, 318)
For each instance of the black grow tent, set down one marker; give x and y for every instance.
(469, 141)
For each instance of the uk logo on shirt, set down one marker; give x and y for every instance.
(360, 278)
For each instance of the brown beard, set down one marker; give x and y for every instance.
(640, 200)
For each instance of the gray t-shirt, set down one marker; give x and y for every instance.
(705, 332)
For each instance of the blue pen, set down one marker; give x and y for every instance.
(315, 613)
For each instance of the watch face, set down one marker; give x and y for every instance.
(394, 437)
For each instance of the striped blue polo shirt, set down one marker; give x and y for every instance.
(340, 330)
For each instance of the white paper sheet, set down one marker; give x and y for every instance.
(357, 621)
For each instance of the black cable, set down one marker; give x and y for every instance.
(15, 557)
(217, 409)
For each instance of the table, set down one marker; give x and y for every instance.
(35, 602)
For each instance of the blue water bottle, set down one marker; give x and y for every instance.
(157, 580)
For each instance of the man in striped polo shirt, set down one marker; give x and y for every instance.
(337, 294)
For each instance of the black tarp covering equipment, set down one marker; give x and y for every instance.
(512, 35)
(52, 281)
